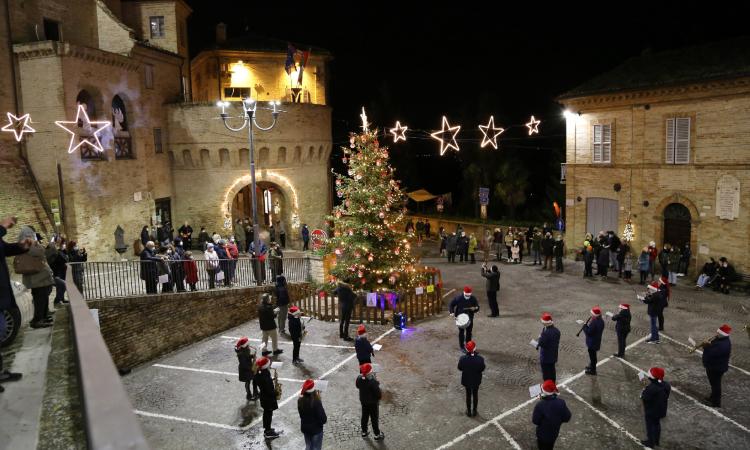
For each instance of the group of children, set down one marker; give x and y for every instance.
(255, 371)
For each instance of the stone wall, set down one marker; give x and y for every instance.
(140, 329)
(719, 145)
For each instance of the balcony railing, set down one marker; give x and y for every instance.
(97, 280)
(563, 172)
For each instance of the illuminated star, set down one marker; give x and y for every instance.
(447, 128)
(533, 126)
(365, 124)
(494, 131)
(72, 126)
(399, 132)
(18, 126)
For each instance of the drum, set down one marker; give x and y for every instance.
(463, 321)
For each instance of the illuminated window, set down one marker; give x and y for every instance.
(157, 26)
(240, 74)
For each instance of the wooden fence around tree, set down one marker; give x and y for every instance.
(324, 306)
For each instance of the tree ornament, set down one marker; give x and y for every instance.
(360, 274)
(370, 257)
(372, 201)
(392, 279)
(338, 252)
(380, 281)
(338, 181)
(381, 215)
(397, 251)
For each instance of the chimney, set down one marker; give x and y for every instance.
(221, 33)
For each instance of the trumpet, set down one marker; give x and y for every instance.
(583, 326)
(703, 344)
(276, 384)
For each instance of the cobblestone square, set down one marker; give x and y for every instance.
(192, 399)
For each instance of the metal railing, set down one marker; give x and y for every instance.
(97, 280)
(108, 415)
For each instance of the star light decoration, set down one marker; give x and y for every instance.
(399, 132)
(18, 125)
(71, 127)
(490, 129)
(447, 128)
(533, 126)
(365, 124)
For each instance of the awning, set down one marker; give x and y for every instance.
(421, 195)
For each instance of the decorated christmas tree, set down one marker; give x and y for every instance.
(371, 247)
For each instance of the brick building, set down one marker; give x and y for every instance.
(663, 141)
(166, 157)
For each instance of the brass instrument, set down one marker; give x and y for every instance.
(583, 326)
(703, 344)
(304, 329)
(276, 385)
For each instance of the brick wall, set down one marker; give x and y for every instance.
(140, 329)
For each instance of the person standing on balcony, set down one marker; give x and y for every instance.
(212, 264)
(7, 299)
(259, 260)
(305, 237)
(57, 258)
(191, 271)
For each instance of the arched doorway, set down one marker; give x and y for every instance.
(272, 206)
(677, 225)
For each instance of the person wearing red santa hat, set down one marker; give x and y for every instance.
(655, 299)
(667, 290)
(246, 367)
(655, 397)
(369, 398)
(464, 303)
(471, 366)
(593, 329)
(550, 413)
(548, 344)
(362, 346)
(716, 355)
(312, 415)
(622, 328)
(267, 396)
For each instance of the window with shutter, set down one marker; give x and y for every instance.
(678, 140)
(602, 144)
(670, 142)
(682, 141)
(597, 143)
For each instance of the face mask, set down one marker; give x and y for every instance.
(180, 243)
(169, 252)
(75, 249)
(467, 296)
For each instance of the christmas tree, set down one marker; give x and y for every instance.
(369, 241)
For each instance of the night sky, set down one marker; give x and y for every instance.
(415, 64)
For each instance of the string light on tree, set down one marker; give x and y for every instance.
(18, 125)
(628, 234)
(488, 130)
(399, 132)
(446, 129)
(71, 127)
(533, 126)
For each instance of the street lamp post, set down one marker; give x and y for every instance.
(249, 107)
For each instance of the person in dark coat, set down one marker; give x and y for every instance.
(295, 332)
(588, 260)
(203, 239)
(727, 274)
(276, 259)
(362, 346)
(246, 367)
(186, 234)
(451, 245)
(593, 330)
(176, 264)
(558, 251)
(268, 400)
(76, 255)
(224, 260)
(493, 285)
(464, 303)
(145, 237)
(346, 298)
(656, 299)
(622, 328)
(282, 301)
(369, 398)
(149, 270)
(7, 299)
(548, 345)
(267, 321)
(312, 415)
(259, 260)
(57, 259)
(602, 261)
(305, 237)
(462, 247)
(550, 413)
(716, 361)
(547, 250)
(655, 397)
(471, 366)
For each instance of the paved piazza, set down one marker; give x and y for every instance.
(192, 399)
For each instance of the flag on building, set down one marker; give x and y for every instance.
(290, 54)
